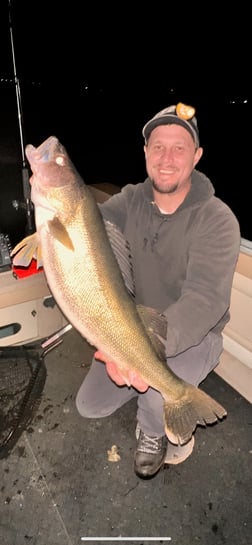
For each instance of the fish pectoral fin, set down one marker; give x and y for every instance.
(26, 250)
(155, 324)
(194, 408)
(59, 232)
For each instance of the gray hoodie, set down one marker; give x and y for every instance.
(183, 262)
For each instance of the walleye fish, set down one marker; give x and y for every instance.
(85, 266)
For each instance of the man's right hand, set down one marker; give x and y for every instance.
(132, 378)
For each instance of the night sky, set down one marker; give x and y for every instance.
(146, 47)
(94, 74)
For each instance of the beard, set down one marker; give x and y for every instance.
(164, 189)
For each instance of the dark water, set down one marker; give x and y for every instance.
(101, 130)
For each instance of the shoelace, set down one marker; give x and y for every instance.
(148, 444)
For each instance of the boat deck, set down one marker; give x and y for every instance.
(59, 488)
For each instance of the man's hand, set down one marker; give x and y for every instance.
(132, 378)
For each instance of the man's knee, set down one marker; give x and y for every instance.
(86, 405)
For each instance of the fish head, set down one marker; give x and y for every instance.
(56, 186)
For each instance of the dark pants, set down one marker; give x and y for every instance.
(99, 396)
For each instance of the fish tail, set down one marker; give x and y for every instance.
(197, 408)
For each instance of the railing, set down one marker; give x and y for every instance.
(236, 362)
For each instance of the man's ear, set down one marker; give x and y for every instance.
(198, 155)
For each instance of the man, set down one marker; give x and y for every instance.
(185, 244)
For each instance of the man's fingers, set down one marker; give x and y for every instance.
(115, 375)
(99, 356)
(131, 378)
(137, 382)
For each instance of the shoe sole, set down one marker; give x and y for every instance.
(176, 454)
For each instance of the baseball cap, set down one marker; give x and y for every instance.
(181, 114)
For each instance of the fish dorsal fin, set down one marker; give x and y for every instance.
(155, 324)
(26, 250)
(59, 232)
(121, 249)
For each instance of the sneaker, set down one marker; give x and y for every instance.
(176, 454)
(150, 454)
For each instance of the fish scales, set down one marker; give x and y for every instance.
(85, 279)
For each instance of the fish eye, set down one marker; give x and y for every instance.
(59, 160)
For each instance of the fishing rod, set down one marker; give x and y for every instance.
(25, 171)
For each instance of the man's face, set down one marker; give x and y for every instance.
(170, 157)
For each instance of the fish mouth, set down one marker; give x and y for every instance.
(46, 152)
